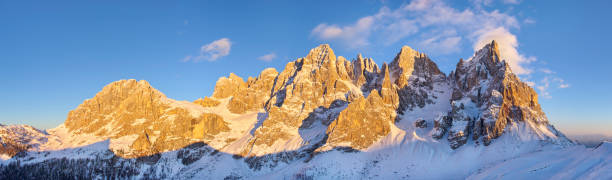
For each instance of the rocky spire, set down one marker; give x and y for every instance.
(320, 54)
(486, 85)
(363, 69)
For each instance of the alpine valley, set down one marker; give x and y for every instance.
(322, 117)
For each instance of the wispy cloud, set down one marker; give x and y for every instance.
(562, 83)
(212, 51)
(529, 21)
(547, 71)
(267, 57)
(543, 88)
(548, 82)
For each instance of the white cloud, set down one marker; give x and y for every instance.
(511, 1)
(529, 21)
(354, 35)
(212, 51)
(547, 71)
(442, 42)
(267, 57)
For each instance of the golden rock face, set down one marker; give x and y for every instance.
(304, 85)
(124, 101)
(133, 108)
(227, 87)
(255, 95)
(362, 123)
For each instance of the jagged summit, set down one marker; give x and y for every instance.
(320, 54)
(488, 98)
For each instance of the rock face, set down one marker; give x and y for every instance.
(206, 102)
(420, 123)
(246, 96)
(130, 110)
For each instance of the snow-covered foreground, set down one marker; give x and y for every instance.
(575, 162)
(411, 158)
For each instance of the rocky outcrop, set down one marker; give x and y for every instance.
(206, 102)
(420, 123)
(256, 93)
(15, 139)
(228, 86)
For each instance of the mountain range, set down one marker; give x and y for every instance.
(322, 117)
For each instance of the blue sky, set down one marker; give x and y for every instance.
(55, 54)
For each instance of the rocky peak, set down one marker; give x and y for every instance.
(487, 98)
(321, 54)
(410, 62)
(363, 70)
(18, 138)
(123, 95)
(415, 76)
(143, 119)
(228, 86)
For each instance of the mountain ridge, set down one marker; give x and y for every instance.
(404, 84)
(317, 106)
